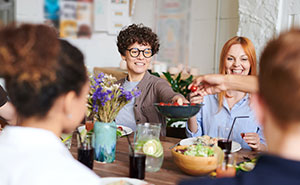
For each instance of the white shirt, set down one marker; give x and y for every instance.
(32, 156)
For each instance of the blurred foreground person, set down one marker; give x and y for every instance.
(47, 83)
(277, 108)
(7, 111)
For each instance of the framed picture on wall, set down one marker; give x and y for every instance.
(112, 15)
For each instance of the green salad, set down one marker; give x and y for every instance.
(199, 150)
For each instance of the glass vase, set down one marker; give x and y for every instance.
(105, 141)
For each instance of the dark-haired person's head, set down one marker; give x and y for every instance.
(137, 33)
(279, 77)
(137, 44)
(278, 99)
(43, 74)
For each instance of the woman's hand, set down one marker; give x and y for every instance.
(196, 97)
(253, 140)
(209, 84)
(216, 83)
(179, 99)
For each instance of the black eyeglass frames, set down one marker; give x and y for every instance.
(135, 52)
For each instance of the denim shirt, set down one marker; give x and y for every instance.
(209, 118)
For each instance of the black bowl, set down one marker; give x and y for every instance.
(178, 111)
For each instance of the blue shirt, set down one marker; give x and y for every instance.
(209, 118)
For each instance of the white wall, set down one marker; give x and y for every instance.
(212, 24)
(101, 50)
(203, 53)
(259, 20)
(290, 15)
(262, 20)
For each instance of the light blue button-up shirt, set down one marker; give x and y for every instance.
(209, 118)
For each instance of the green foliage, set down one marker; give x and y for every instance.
(155, 74)
(179, 85)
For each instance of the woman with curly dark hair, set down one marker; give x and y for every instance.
(137, 44)
(47, 83)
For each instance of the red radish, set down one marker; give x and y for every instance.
(120, 128)
(242, 135)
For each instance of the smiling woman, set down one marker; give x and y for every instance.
(137, 44)
(237, 58)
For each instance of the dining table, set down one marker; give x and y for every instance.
(167, 175)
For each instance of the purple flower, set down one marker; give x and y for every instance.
(106, 99)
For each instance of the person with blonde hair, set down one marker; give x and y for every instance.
(276, 103)
(238, 57)
(47, 83)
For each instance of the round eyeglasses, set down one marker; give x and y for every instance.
(135, 52)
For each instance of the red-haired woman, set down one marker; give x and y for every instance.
(238, 57)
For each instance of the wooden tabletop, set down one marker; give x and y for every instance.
(167, 175)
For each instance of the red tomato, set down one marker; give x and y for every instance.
(169, 104)
(176, 104)
(194, 88)
(162, 104)
(120, 128)
(242, 135)
(185, 104)
(193, 104)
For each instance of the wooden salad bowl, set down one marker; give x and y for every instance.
(194, 165)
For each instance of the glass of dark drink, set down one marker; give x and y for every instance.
(224, 141)
(86, 150)
(224, 144)
(137, 164)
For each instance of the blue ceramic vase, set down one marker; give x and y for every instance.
(105, 141)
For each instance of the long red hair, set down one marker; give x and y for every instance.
(249, 49)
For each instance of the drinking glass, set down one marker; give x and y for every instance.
(223, 142)
(227, 167)
(89, 123)
(147, 137)
(86, 150)
(67, 140)
(137, 163)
